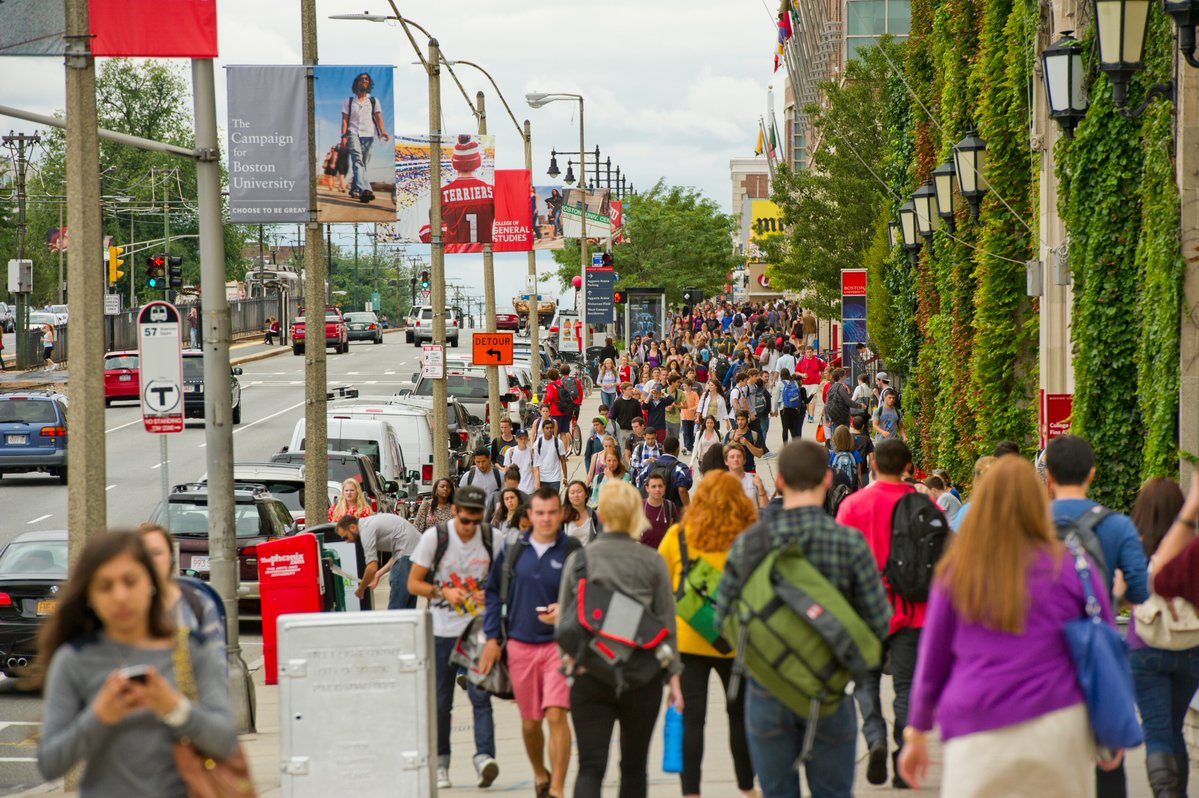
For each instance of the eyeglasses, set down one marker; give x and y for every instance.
(469, 521)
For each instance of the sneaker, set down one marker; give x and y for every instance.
(876, 769)
(488, 770)
(443, 779)
(366, 196)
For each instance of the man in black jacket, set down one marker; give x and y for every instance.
(623, 410)
(838, 404)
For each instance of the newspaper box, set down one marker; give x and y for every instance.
(356, 704)
(289, 581)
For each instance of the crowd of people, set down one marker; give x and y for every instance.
(673, 556)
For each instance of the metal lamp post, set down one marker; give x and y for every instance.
(927, 221)
(908, 229)
(943, 185)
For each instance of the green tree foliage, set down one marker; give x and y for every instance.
(674, 238)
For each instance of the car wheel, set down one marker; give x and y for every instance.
(454, 343)
(237, 413)
(379, 340)
(61, 473)
(416, 342)
(408, 336)
(297, 350)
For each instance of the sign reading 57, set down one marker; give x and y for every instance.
(161, 367)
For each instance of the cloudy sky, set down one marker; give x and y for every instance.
(673, 88)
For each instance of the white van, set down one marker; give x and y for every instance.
(372, 437)
(412, 425)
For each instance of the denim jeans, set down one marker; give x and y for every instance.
(1165, 682)
(688, 435)
(764, 425)
(776, 739)
(400, 598)
(480, 700)
(360, 156)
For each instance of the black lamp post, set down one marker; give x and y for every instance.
(1062, 62)
(1120, 29)
(970, 162)
(908, 229)
(553, 171)
(569, 179)
(943, 185)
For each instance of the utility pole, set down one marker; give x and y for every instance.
(441, 435)
(218, 394)
(18, 142)
(316, 444)
(493, 372)
(355, 295)
(534, 303)
(1187, 162)
(87, 511)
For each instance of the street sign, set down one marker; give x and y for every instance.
(161, 367)
(597, 258)
(492, 349)
(425, 297)
(112, 304)
(432, 361)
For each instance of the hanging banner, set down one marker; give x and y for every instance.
(32, 27)
(153, 28)
(268, 144)
(515, 205)
(853, 318)
(616, 214)
(355, 116)
(468, 190)
(599, 223)
(547, 219)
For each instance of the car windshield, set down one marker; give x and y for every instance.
(290, 493)
(368, 448)
(457, 385)
(343, 468)
(27, 411)
(191, 520)
(193, 368)
(361, 317)
(120, 362)
(42, 318)
(48, 557)
(57, 309)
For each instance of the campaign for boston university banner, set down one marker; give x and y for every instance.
(268, 144)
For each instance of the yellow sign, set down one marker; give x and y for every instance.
(765, 218)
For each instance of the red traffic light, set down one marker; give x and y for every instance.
(158, 260)
(618, 297)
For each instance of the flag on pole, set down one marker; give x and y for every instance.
(758, 150)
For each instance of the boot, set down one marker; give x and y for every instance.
(1163, 775)
(1184, 772)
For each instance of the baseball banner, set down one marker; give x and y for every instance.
(467, 190)
(515, 205)
(355, 117)
(268, 144)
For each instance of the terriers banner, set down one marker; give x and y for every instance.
(515, 205)
(268, 144)
(468, 190)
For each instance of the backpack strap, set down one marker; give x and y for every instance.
(443, 543)
(511, 555)
(685, 556)
(1092, 518)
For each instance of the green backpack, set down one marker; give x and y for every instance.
(799, 637)
(696, 593)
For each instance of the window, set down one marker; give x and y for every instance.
(866, 17)
(866, 20)
(121, 362)
(368, 448)
(35, 557)
(854, 44)
(193, 368)
(899, 18)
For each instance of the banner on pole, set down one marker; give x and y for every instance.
(355, 118)
(154, 29)
(32, 27)
(598, 206)
(268, 144)
(515, 205)
(467, 190)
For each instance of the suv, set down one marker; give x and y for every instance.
(257, 517)
(351, 465)
(422, 329)
(33, 433)
(337, 334)
(8, 317)
(284, 481)
(469, 386)
(193, 386)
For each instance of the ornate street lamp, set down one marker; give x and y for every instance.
(943, 185)
(927, 220)
(1120, 27)
(894, 235)
(570, 173)
(1064, 75)
(553, 171)
(1186, 18)
(908, 229)
(970, 161)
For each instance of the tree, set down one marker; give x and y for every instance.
(830, 211)
(674, 238)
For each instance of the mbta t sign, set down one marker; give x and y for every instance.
(161, 367)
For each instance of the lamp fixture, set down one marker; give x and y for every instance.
(1064, 73)
(943, 186)
(970, 163)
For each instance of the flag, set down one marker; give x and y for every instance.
(785, 29)
(776, 62)
(773, 139)
(758, 150)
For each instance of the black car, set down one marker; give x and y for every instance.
(364, 326)
(32, 569)
(193, 386)
(351, 465)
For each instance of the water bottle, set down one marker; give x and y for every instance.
(672, 738)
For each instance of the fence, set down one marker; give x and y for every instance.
(246, 316)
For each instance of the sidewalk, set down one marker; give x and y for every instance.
(262, 748)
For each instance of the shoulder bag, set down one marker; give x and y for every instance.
(1161, 627)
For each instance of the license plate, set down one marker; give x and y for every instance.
(47, 606)
(200, 564)
(191, 388)
(16, 440)
(125, 378)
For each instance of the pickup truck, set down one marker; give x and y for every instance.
(337, 334)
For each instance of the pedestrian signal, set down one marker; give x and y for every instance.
(618, 297)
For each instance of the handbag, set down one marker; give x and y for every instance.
(1101, 661)
(206, 776)
(1158, 627)
(820, 436)
(467, 652)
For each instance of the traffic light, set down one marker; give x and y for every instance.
(424, 281)
(692, 296)
(618, 297)
(608, 261)
(156, 274)
(175, 272)
(114, 264)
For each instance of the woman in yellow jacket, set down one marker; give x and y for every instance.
(719, 512)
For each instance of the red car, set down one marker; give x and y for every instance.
(507, 320)
(121, 377)
(337, 334)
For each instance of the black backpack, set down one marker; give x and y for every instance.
(610, 635)
(918, 534)
(845, 481)
(511, 554)
(566, 399)
(761, 401)
(722, 367)
(1083, 530)
(666, 471)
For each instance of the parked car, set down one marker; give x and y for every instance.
(193, 386)
(506, 319)
(122, 377)
(469, 386)
(33, 433)
(284, 481)
(422, 329)
(337, 335)
(8, 317)
(39, 319)
(364, 326)
(61, 312)
(352, 465)
(32, 569)
(413, 426)
(410, 325)
(465, 433)
(257, 517)
(372, 437)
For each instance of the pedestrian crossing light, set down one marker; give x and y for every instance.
(424, 281)
(618, 297)
(175, 272)
(156, 275)
(114, 264)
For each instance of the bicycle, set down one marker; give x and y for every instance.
(576, 437)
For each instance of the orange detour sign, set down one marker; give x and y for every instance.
(492, 349)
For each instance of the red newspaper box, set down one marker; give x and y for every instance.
(289, 581)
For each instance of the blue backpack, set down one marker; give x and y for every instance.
(791, 395)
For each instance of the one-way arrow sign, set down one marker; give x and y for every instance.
(494, 353)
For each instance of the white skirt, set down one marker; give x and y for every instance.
(1052, 756)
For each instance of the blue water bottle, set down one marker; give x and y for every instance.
(672, 738)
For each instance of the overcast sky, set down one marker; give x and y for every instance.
(673, 88)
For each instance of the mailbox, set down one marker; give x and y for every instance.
(289, 581)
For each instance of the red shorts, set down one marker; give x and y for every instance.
(536, 679)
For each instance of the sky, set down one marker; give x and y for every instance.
(673, 89)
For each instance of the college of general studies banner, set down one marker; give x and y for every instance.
(147, 28)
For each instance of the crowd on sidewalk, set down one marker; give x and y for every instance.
(673, 557)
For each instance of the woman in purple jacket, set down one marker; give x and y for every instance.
(993, 671)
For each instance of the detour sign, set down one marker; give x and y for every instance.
(492, 349)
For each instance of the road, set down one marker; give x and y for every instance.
(273, 400)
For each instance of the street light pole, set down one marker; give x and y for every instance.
(441, 446)
(534, 302)
(583, 234)
(493, 372)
